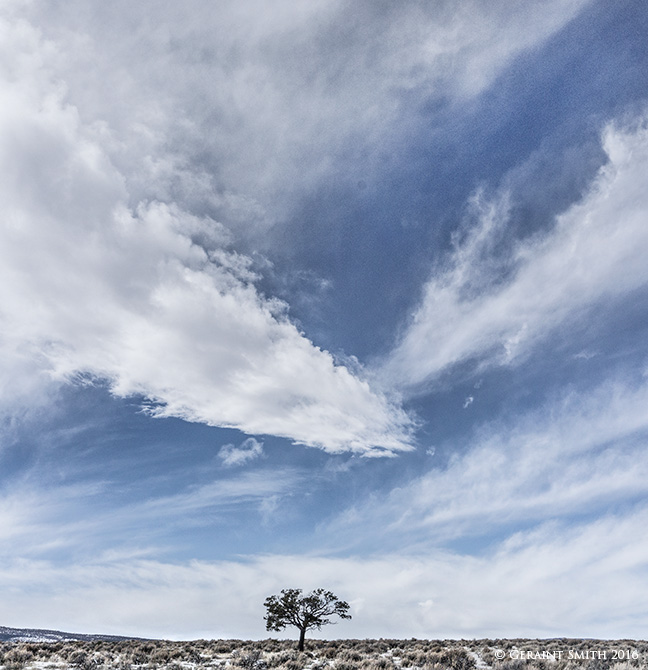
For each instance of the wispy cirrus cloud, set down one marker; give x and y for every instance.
(541, 579)
(38, 521)
(581, 453)
(492, 302)
(156, 163)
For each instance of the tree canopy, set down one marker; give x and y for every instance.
(304, 612)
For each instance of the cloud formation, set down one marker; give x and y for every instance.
(492, 302)
(580, 454)
(248, 450)
(39, 519)
(150, 298)
(541, 579)
(114, 236)
(229, 109)
(155, 164)
(565, 485)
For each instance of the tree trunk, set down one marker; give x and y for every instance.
(302, 635)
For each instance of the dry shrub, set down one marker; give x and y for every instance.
(378, 663)
(18, 657)
(348, 655)
(249, 659)
(383, 654)
(450, 659)
(282, 658)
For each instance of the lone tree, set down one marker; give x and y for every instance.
(304, 612)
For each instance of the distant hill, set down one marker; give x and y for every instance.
(39, 635)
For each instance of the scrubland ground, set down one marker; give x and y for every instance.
(557, 654)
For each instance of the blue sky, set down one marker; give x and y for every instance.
(351, 295)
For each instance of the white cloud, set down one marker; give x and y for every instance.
(37, 519)
(121, 129)
(248, 450)
(91, 286)
(585, 355)
(538, 583)
(594, 254)
(579, 454)
(272, 97)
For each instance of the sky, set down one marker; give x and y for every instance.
(305, 294)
